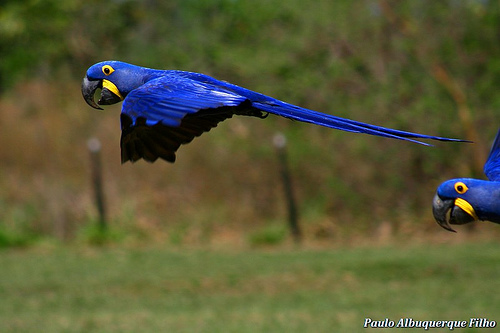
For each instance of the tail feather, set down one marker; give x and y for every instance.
(301, 114)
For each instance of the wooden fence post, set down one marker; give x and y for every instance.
(279, 141)
(94, 146)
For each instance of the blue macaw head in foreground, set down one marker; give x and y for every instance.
(115, 79)
(464, 200)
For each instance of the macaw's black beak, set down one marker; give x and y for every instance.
(459, 212)
(89, 88)
(109, 92)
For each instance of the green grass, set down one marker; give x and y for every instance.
(171, 290)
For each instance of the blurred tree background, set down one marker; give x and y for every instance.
(424, 66)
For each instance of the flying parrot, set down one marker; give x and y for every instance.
(464, 200)
(163, 109)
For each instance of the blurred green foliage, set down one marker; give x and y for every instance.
(271, 234)
(413, 65)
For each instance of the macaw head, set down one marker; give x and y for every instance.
(468, 199)
(464, 200)
(115, 79)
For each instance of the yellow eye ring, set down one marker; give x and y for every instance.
(107, 70)
(460, 187)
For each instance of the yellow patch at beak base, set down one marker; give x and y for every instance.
(466, 207)
(111, 87)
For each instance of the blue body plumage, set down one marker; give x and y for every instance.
(463, 200)
(163, 109)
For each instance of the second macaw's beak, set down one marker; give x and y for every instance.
(89, 88)
(460, 212)
(109, 93)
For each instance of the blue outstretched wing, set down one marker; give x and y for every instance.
(178, 106)
(492, 165)
(169, 111)
(170, 98)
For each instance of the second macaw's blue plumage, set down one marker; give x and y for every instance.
(163, 109)
(464, 200)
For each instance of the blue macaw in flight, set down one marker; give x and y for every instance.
(464, 200)
(163, 109)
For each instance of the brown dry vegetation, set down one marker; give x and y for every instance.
(224, 185)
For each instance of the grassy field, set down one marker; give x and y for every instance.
(84, 289)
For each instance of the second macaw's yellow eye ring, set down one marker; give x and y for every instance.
(460, 187)
(107, 69)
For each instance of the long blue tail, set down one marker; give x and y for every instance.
(301, 114)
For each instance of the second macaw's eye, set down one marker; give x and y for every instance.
(107, 69)
(461, 188)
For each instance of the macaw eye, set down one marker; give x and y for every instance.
(460, 187)
(107, 69)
